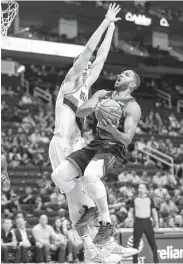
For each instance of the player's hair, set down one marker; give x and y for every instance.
(91, 59)
(137, 80)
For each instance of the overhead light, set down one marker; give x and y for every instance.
(21, 69)
(141, 53)
(131, 48)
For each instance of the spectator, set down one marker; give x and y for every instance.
(146, 178)
(14, 205)
(136, 179)
(8, 240)
(152, 143)
(24, 239)
(77, 243)
(62, 244)
(57, 197)
(168, 208)
(43, 233)
(157, 179)
(127, 190)
(27, 198)
(44, 182)
(178, 221)
(39, 206)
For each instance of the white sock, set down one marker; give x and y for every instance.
(87, 240)
(105, 217)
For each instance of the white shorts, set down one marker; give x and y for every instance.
(61, 147)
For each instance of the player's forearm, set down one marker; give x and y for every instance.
(124, 138)
(105, 46)
(95, 38)
(87, 108)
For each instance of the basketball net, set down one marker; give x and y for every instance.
(9, 9)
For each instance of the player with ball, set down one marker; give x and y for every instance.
(118, 115)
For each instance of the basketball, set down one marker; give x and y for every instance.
(108, 108)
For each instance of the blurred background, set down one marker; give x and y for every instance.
(149, 40)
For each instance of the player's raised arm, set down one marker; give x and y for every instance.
(89, 106)
(82, 61)
(133, 115)
(101, 57)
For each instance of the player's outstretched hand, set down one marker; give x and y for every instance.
(112, 13)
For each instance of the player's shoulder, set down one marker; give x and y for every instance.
(133, 108)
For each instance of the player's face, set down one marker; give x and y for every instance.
(124, 80)
(87, 70)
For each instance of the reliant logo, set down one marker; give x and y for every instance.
(170, 253)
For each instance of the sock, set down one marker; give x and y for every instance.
(87, 240)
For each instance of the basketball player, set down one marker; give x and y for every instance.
(5, 181)
(111, 139)
(73, 93)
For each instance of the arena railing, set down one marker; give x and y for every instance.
(43, 94)
(165, 96)
(179, 105)
(158, 155)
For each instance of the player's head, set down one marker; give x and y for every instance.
(127, 80)
(87, 68)
(142, 189)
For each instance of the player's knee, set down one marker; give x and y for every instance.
(67, 186)
(64, 172)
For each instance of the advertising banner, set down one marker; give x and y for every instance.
(169, 244)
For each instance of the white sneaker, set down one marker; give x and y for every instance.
(95, 255)
(112, 247)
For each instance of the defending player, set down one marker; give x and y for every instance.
(5, 181)
(73, 93)
(109, 139)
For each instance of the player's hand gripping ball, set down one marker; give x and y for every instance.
(108, 109)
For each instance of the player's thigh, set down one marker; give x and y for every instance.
(58, 150)
(95, 168)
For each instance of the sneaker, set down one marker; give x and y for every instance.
(93, 254)
(112, 247)
(88, 216)
(105, 232)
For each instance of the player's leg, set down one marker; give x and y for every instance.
(60, 148)
(64, 178)
(96, 190)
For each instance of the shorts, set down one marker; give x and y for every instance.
(97, 150)
(61, 147)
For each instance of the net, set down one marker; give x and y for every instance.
(9, 9)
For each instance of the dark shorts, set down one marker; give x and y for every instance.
(96, 150)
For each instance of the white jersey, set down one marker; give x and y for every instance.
(65, 112)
